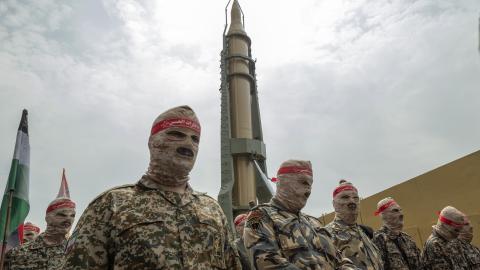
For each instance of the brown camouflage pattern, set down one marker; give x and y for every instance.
(279, 239)
(140, 227)
(353, 244)
(437, 254)
(468, 254)
(398, 251)
(36, 255)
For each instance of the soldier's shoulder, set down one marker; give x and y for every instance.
(123, 189)
(207, 200)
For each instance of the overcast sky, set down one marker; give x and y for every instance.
(376, 92)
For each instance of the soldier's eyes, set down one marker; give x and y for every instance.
(195, 139)
(176, 134)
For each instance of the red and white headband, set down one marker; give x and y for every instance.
(305, 170)
(449, 221)
(385, 207)
(61, 204)
(343, 188)
(31, 228)
(175, 122)
(240, 219)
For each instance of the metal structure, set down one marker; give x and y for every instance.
(243, 152)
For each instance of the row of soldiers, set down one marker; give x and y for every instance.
(160, 222)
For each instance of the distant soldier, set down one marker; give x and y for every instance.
(398, 249)
(240, 244)
(279, 236)
(348, 237)
(437, 254)
(160, 222)
(30, 232)
(462, 244)
(46, 252)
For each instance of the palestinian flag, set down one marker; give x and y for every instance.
(18, 182)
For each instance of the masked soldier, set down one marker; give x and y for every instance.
(279, 236)
(159, 222)
(47, 250)
(437, 253)
(30, 232)
(398, 249)
(348, 237)
(239, 243)
(462, 247)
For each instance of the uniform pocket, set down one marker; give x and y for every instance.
(209, 236)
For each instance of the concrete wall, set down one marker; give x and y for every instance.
(456, 183)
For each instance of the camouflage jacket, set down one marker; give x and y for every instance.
(36, 255)
(468, 253)
(242, 251)
(399, 252)
(278, 239)
(437, 254)
(141, 227)
(352, 242)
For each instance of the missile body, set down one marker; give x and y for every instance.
(240, 86)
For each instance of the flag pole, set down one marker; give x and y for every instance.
(5, 237)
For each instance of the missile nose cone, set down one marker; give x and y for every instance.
(236, 25)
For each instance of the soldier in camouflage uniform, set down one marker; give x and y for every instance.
(437, 252)
(240, 244)
(348, 237)
(46, 252)
(30, 232)
(398, 249)
(159, 222)
(279, 236)
(462, 244)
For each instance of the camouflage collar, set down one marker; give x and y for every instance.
(343, 224)
(390, 233)
(278, 205)
(39, 242)
(174, 198)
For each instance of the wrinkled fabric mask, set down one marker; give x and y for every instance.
(173, 146)
(59, 221)
(450, 223)
(391, 214)
(30, 232)
(346, 205)
(393, 218)
(294, 185)
(466, 234)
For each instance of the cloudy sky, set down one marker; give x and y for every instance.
(373, 91)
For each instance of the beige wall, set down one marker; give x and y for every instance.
(456, 184)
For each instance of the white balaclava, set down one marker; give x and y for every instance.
(60, 213)
(346, 202)
(173, 145)
(294, 184)
(391, 213)
(450, 223)
(30, 232)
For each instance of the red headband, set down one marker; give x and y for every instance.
(295, 170)
(240, 219)
(384, 207)
(176, 122)
(31, 228)
(449, 222)
(60, 204)
(343, 188)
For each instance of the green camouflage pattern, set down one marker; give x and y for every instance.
(142, 227)
(279, 239)
(468, 253)
(398, 251)
(353, 244)
(36, 255)
(439, 255)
